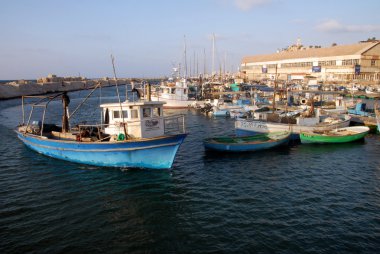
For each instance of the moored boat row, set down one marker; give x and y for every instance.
(135, 133)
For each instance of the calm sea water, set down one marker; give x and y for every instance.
(298, 199)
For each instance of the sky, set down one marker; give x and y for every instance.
(147, 37)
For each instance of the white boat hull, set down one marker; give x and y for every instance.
(174, 103)
(249, 127)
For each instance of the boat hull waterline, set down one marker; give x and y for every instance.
(154, 153)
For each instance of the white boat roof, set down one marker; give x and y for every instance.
(133, 103)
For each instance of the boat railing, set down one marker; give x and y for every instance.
(88, 130)
(41, 102)
(174, 124)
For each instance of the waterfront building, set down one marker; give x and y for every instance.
(359, 63)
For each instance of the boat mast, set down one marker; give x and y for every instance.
(197, 73)
(65, 118)
(224, 64)
(184, 38)
(213, 56)
(275, 90)
(204, 62)
(118, 96)
(194, 69)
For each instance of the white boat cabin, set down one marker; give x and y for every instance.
(142, 119)
(174, 91)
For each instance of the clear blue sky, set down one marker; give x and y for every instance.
(72, 37)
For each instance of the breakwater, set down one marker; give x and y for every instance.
(17, 89)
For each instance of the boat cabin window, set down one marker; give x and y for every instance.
(156, 112)
(117, 115)
(147, 112)
(173, 91)
(134, 113)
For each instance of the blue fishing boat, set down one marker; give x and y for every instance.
(247, 143)
(130, 134)
(360, 109)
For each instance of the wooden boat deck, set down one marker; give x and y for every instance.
(335, 133)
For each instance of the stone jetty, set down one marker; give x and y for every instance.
(52, 84)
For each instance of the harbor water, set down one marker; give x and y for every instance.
(296, 199)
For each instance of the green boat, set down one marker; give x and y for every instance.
(341, 135)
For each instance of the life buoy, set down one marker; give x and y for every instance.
(120, 137)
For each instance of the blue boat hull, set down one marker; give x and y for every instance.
(155, 153)
(222, 113)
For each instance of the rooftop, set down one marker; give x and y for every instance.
(340, 50)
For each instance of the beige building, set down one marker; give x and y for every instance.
(337, 64)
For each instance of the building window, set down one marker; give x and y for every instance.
(350, 62)
(373, 63)
(328, 63)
